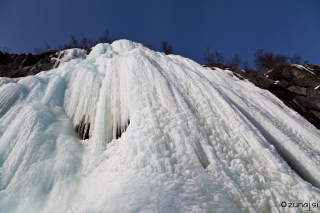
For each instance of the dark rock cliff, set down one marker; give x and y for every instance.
(14, 65)
(297, 86)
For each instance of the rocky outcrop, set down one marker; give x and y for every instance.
(15, 65)
(255, 77)
(297, 86)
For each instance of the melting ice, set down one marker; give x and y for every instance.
(193, 139)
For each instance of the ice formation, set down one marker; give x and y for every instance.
(198, 140)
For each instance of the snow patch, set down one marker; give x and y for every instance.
(302, 67)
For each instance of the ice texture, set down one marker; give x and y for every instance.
(4, 80)
(199, 140)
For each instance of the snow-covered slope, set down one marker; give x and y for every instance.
(198, 140)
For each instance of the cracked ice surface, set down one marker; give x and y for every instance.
(198, 140)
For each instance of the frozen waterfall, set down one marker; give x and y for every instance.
(193, 139)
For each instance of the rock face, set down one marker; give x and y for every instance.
(297, 86)
(14, 65)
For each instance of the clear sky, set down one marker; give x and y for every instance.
(238, 26)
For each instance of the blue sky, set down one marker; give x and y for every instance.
(281, 26)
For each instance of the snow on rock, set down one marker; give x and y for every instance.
(198, 140)
(303, 68)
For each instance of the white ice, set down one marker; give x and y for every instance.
(199, 140)
(4, 80)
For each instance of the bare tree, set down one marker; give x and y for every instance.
(280, 60)
(219, 57)
(4, 49)
(305, 62)
(105, 37)
(235, 61)
(166, 48)
(47, 47)
(262, 60)
(246, 65)
(213, 57)
(74, 42)
(208, 57)
(85, 42)
(38, 50)
(296, 59)
(265, 61)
